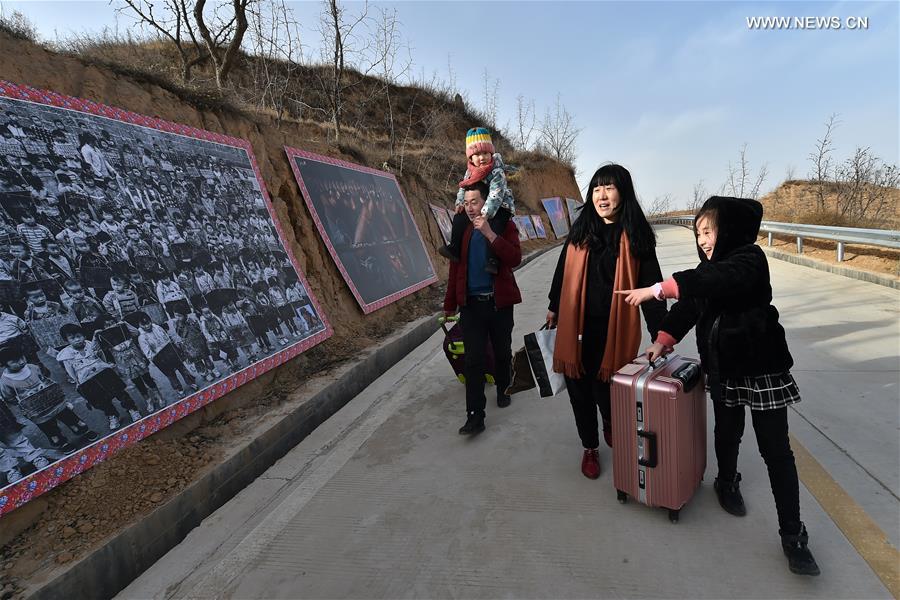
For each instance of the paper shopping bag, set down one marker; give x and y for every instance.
(521, 379)
(539, 347)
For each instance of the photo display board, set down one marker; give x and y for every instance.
(527, 224)
(444, 220)
(539, 226)
(523, 233)
(574, 208)
(143, 274)
(557, 214)
(367, 227)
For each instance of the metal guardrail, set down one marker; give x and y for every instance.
(887, 238)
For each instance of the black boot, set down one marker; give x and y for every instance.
(474, 424)
(729, 493)
(800, 559)
(503, 400)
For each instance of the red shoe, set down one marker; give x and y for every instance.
(590, 464)
(607, 433)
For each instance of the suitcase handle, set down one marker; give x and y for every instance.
(651, 462)
(443, 320)
(655, 364)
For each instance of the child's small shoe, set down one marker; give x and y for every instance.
(61, 444)
(113, 423)
(40, 462)
(13, 475)
(81, 429)
(135, 415)
(800, 559)
(448, 252)
(492, 266)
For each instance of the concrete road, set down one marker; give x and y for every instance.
(385, 500)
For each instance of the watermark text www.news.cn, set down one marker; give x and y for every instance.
(853, 22)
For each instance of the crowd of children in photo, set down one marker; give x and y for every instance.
(369, 226)
(132, 263)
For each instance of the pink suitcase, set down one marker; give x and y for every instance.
(659, 431)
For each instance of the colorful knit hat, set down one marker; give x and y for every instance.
(478, 139)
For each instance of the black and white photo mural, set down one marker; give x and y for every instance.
(142, 275)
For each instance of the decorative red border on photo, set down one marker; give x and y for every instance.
(370, 307)
(37, 483)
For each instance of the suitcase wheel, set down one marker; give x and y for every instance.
(621, 496)
(673, 515)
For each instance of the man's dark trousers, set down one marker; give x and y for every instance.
(481, 321)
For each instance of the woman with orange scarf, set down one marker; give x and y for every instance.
(610, 247)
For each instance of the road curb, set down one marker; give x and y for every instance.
(829, 268)
(112, 566)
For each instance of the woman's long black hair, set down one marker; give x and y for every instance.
(588, 227)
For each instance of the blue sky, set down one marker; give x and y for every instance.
(671, 90)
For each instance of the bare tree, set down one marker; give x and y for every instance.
(790, 173)
(865, 186)
(388, 53)
(526, 122)
(822, 162)
(698, 197)
(558, 134)
(169, 20)
(491, 99)
(660, 206)
(757, 183)
(215, 34)
(229, 27)
(275, 41)
(340, 32)
(740, 182)
(451, 76)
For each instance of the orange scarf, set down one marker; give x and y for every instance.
(476, 174)
(624, 329)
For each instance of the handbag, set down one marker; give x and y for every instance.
(521, 379)
(539, 348)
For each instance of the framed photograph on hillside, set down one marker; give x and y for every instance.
(444, 219)
(527, 224)
(520, 227)
(143, 274)
(367, 227)
(557, 215)
(539, 226)
(574, 208)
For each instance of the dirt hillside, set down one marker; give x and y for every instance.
(68, 521)
(795, 202)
